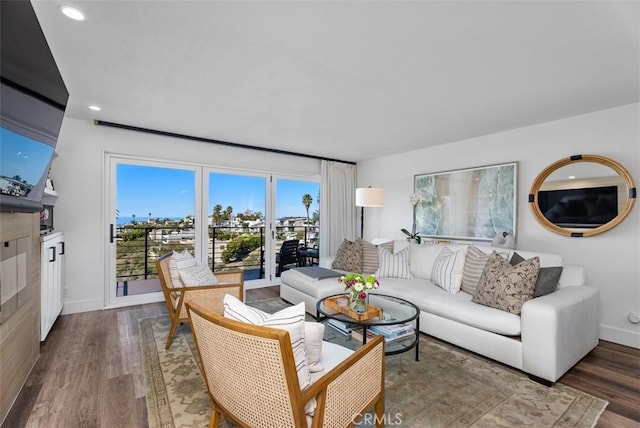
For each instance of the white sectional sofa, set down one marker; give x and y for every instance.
(551, 334)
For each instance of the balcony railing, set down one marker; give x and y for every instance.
(228, 248)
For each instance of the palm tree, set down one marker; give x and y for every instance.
(217, 214)
(306, 201)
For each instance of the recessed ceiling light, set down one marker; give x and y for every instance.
(95, 108)
(72, 12)
(571, 177)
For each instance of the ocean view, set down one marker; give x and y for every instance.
(121, 221)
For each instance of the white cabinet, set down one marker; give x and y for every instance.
(51, 281)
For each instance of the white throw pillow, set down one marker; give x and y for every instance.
(313, 337)
(393, 265)
(179, 261)
(290, 319)
(447, 270)
(200, 274)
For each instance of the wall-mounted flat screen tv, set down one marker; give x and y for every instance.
(29, 130)
(587, 207)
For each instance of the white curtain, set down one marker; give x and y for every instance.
(337, 205)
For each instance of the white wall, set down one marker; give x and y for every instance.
(611, 260)
(78, 171)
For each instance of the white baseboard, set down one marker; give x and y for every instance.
(620, 336)
(77, 306)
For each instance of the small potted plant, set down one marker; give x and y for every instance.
(358, 287)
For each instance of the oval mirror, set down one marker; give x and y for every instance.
(582, 195)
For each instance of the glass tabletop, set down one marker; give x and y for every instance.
(394, 310)
(398, 322)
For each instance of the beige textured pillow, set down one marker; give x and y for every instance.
(507, 287)
(348, 257)
(369, 256)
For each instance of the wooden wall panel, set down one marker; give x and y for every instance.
(20, 333)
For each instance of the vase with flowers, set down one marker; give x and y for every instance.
(414, 200)
(358, 287)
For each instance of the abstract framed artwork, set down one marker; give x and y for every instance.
(468, 204)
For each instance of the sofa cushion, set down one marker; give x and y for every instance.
(317, 288)
(393, 265)
(457, 307)
(548, 277)
(348, 257)
(507, 287)
(421, 259)
(447, 270)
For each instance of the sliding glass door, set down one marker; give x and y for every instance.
(238, 224)
(152, 212)
(230, 219)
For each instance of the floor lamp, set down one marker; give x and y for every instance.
(368, 197)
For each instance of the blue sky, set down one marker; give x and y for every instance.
(165, 192)
(23, 156)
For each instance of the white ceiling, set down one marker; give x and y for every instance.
(352, 80)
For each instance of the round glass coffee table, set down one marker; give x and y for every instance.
(397, 319)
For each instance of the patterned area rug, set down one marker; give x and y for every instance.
(448, 387)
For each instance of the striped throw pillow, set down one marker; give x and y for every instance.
(179, 261)
(447, 270)
(291, 319)
(473, 266)
(393, 265)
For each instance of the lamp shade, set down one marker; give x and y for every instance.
(369, 197)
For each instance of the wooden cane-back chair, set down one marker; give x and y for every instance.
(251, 377)
(208, 296)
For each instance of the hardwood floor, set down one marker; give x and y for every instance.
(89, 374)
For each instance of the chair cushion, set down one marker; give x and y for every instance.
(313, 335)
(290, 319)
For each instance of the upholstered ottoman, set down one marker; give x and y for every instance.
(308, 285)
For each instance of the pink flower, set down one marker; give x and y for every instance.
(363, 295)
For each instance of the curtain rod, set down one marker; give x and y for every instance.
(210, 140)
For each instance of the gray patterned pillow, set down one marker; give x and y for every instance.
(507, 287)
(548, 277)
(348, 257)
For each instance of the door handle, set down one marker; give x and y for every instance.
(53, 256)
(111, 233)
(62, 248)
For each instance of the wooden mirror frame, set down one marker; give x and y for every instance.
(622, 172)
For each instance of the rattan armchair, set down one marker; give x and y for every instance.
(251, 377)
(208, 296)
